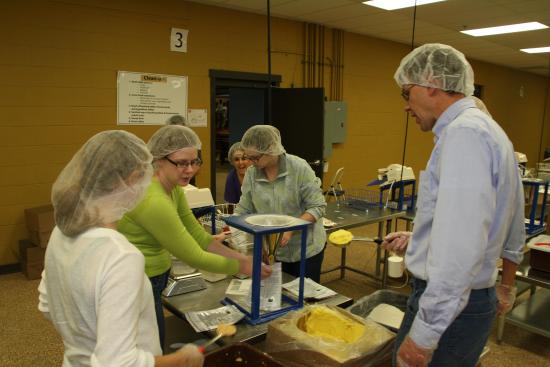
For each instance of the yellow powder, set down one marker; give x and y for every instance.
(331, 324)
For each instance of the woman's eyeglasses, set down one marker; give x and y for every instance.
(253, 158)
(185, 164)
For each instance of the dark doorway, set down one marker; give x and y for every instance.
(299, 114)
(240, 101)
(247, 109)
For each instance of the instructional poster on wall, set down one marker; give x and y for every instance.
(150, 99)
(197, 117)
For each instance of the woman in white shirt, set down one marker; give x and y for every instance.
(94, 288)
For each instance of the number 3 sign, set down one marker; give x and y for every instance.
(178, 40)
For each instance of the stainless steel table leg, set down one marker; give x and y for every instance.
(343, 263)
(385, 271)
(378, 248)
(500, 327)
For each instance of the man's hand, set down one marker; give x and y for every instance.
(506, 295)
(397, 242)
(412, 355)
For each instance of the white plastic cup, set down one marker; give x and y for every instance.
(395, 266)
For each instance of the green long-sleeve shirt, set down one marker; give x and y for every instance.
(163, 224)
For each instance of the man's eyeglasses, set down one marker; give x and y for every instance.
(185, 164)
(405, 93)
(253, 158)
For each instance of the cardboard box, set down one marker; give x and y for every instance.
(539, 257)
(40, 218)
(290, 351)
(32, 259)
(40, 238)
(238, 355)
(40, 223)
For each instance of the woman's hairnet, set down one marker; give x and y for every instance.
(105, 178)
(177, 120)
(438, 66)
(265, 139)
(171, 138)
(234, 149)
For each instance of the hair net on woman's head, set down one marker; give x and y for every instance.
(105, 178)
(176, 120)
(234, 149)
(171, 138)
(438, 66)
(265, 139)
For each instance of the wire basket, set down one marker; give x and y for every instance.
(363, 199)
(221, 211)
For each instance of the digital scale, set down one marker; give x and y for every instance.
(180, 284)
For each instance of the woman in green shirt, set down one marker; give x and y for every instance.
(162, 223)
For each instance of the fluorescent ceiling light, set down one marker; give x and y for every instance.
(536, 50)
(398, 4)
(512, 28)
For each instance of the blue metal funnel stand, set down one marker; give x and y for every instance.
(252, 313)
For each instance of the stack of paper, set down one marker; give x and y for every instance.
(210, 319)
(312, 290)
(387, 315)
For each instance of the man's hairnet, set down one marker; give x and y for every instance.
(105, 178)
(438, 66)
(171, 138)
(234, 149)
(265, 139)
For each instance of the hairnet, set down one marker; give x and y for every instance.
(265, 139)
(234, 149)
(438, 66)
(176, 120)
(105, 178)
(171, 138)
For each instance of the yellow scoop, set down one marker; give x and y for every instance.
(222, 330)
(340, 237)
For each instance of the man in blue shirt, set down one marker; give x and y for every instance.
(469, 213)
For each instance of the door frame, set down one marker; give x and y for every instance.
(236, 79)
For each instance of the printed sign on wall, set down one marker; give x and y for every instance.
(150, 99)
(178, 40)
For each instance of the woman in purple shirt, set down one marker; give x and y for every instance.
(236, 175)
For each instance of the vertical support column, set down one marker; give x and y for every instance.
(256, 277)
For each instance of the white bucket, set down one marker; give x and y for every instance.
(395, 266)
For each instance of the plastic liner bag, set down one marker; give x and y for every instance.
(321, 335)
(364, 306)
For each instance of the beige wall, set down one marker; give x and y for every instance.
(58, 67)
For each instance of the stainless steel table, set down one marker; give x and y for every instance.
(211, 297)
(346, 217)
(533, 314)
(408, 218)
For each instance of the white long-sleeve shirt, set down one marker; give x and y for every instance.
(469, 213)
(95, 292)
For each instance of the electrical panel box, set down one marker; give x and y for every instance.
(336, 115)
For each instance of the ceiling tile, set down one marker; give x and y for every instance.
(439, 22)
